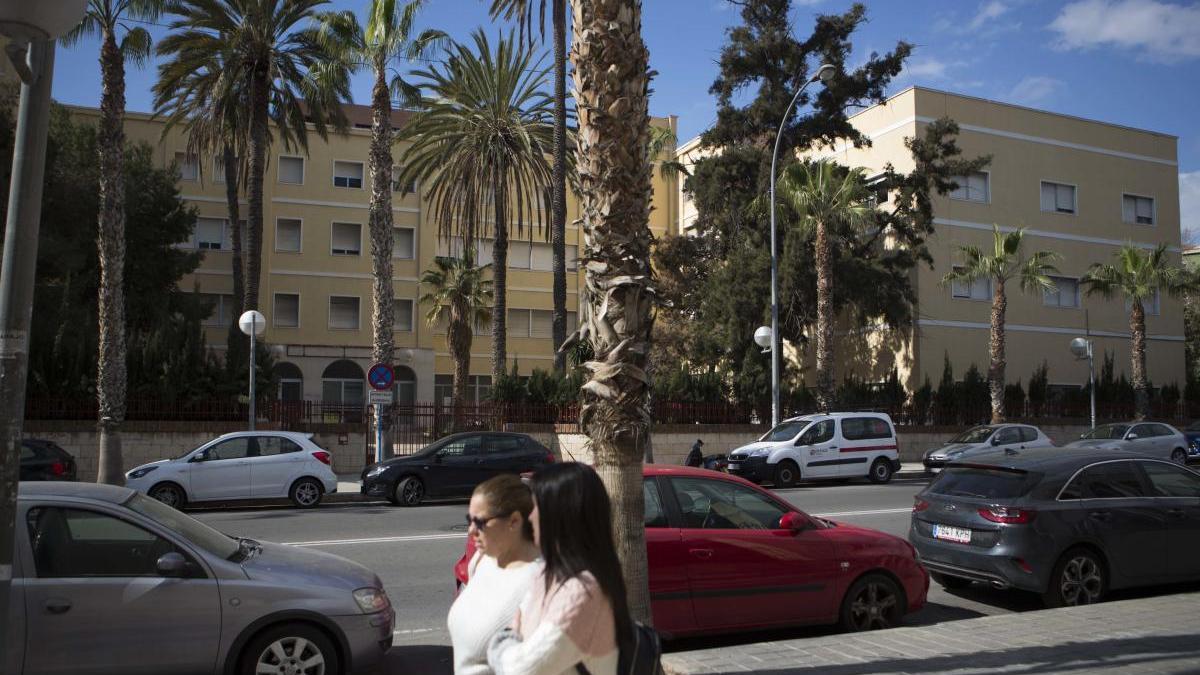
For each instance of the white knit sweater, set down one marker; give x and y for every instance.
(484, 606)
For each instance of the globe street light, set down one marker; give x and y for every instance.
(762, 338)
(252, 323)
(825, 73)
(1082, 349)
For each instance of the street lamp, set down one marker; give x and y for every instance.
(252, 323)
(31, 28)
(1082, 349)
(825, 73)
(762, 338)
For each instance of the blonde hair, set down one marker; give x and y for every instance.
(507, 494)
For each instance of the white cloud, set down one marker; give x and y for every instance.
(1157, 31)
(1189, 204)
(990, 10)
(1034, 90)
(928, 68)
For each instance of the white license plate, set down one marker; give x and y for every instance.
(959, 535)
(735, 465)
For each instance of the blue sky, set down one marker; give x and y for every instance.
(1131, 62)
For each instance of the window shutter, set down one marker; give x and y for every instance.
(518, 323)
(963, 184)
(210, 233)
(347, 238)
(571, 323)
(979, 187)
(343, 312)
(572, 258)
(484, 250)
(542, 257)
(287, 310)
(287, 234)
(1065, 198)
(1048, 196)
(402, 315)
(403, 242)
(1129, 209)
(519, 253)
(541, 323)
(291, 170)
(1145, 210)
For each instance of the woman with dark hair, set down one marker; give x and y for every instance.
(576, 613)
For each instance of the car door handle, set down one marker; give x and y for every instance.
(1178, 513)
(1100, 515)
(701, 553)
(833, 447)
(58, 605)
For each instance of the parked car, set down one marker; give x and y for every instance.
(1192, 433)
(726, 555)
(1067, 523)
(45, 460)
(837, 445)
(110, 582)
(241, 465)
(453, 466)
(1149, 438)
(982, 438)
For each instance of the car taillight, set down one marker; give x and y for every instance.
(58, 468)
(550, 458)
(919, 505)
(323, 457)
(1008, 515)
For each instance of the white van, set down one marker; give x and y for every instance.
(813, 447)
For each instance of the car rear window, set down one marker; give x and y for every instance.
(1028, 434)
(863, 428)
(982, 483)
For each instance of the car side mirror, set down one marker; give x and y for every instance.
(995, 440)
(199, 457)
(1131, 437)
(171, 564)
(802, 441)
(795, 522)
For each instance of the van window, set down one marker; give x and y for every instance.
(864, 428)
(785, 431)
(982, 483)
(821, 432)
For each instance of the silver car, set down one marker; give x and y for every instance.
(108, 581)
(1149, 438)
(982, 438)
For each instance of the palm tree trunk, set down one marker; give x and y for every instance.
(558, 218)
(1137, 359)
(259, 86)
(460, 350)
(996, 352)
(380, 220)
(500, 286)
(611, 93)
(236, 342)
(825, 317)
(110, 374)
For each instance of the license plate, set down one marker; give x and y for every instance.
(735, 465)
(959, 535)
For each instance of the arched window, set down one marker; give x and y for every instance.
(291, 381)
(406, 385)
(343, 382)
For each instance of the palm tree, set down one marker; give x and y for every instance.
(283, 75)
(107, 18)
(461, 296)
(386, 37)
(612, 86)
(522, 10)
(481, 144)
(999, 266)
(1138, 276)
(825, 196)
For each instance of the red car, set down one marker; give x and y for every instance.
(726, 555)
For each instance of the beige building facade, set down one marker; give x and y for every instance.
(316, 266)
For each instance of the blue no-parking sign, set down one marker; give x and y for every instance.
(381, 376)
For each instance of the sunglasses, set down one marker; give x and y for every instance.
(480, 523)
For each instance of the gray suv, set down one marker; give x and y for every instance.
(108, 581)
(1067, 523)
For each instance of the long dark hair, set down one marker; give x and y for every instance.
(576, 535)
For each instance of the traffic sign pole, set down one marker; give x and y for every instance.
(381, 377)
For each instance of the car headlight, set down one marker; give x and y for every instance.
(371, 600)
(761, 452)
(138, 473)
(376, 470)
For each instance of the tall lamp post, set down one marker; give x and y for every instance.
(824, 74)
(252, 323)
(31, 28)
(1082, 349)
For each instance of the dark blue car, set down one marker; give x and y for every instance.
(1192, 432)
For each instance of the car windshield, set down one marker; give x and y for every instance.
(974, 435)
(1108, 432)
(188, 452)
(185, 526)
(785, 431)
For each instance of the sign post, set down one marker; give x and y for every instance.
(381, 377)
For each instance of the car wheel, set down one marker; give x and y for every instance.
(293, 648)
(881, 471)
(1179, 456)
(872, 603)
(170, 494)
(786, 474)
(409, 491)
(305, 493)
(948, 582)
(1078, 579)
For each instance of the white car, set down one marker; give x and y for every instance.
(1151, 438)
(985, 437)
(837, 445)
(241, 465)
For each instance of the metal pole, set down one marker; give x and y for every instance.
(16, 290)
(1092, 381)
(378, 432)
(775, 341)
(253, 330)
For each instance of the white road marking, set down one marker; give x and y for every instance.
(414, 631)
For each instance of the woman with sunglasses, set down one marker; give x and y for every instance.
(575, 610)
(500, 573)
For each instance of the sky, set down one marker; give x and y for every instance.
(1129, 62)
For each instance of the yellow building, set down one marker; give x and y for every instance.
(1082, 188)
(316, 266)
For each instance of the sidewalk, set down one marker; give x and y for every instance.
(1147, 635)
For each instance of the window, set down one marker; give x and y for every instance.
(402, 315)
(1110, 480)
(821, 432)
(572, 258)
(269, 446)
(723, 505)
(291, 170)
(1150, 305)
(408, 188)
(1168, 480)
(348, 174)
(287, 235)
(404, 243)
(1137, 210)
(518, 323)
(291, 381)
(1065, 293)
(343, 312)
(1143, 431)
(1008, 435)
(542, 257)
(519, 254)
(987, 483)
(222, 309)
(1028, 434)
(979, 289)
(453, 248)
(481, 326)
(210, 234)
(541, 323)
(864, 428)
(346, 239)
(349, 393)
(186, 166)
(655, 514)
(219, 168)
(1058, 197)
(461, 447)
(877, 186)
(287, 310)
(79, 543)
(479, 388)
(571, 323)
(234, 448)
(972, 188)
